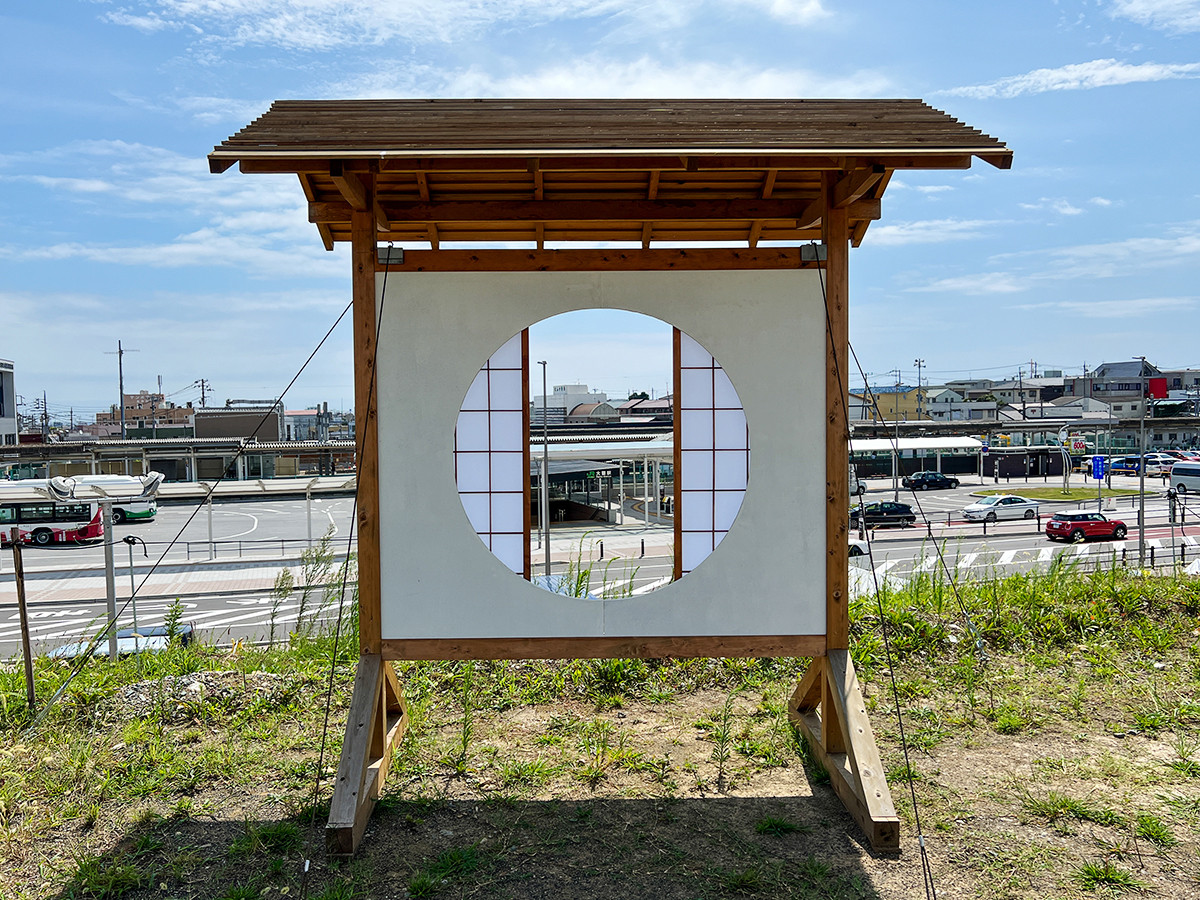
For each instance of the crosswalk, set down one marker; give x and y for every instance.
(1090, 554)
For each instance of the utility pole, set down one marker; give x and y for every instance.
(204, 388)
(896, 449)
(1021, 389)
(45, 419)
(1142, 470)
(154, 411)
(120, 353)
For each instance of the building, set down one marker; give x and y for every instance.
(146, 413)
(891, 402)
(263, 423)
(308, 424)
(946, 405)
(8, 404)
(660, 410)
(563, 398)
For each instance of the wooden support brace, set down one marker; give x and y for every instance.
(378, 718)
(827, 706)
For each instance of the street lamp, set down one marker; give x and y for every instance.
(918, 363)
(544, 514)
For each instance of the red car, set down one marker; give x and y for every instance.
(1079, 525)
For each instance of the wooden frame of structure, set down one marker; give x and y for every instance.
(735, 172)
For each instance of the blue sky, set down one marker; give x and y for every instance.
(112, 228)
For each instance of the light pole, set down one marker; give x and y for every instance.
(1142, 470)
(918, 363)
(896, 449)
(544, 514)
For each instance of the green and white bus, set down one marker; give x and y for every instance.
(132, 497)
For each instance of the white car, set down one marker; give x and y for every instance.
(1001, 506)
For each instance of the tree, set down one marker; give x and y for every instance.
(639, 395)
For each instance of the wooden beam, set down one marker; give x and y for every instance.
(600, 260)
(652, 189)
(756, 228)
(828, 708)
(855, 185)
(769, 183)
(350, 186)
(836, 235)
(574, 210)
(217, 166)
(377, 720)
(363, 262)
(746, 645)
(423, 186)
(647, 228)
(435, 240)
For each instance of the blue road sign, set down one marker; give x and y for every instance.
(1098, 466)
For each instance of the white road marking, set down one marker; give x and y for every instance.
(1006, 557)
(249, 530)
(927, 563)
(884, 566)
(1046, 554)
(966, 559)
(1083, 550)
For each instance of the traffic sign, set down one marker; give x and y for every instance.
(1078, 445)
(1098, 463)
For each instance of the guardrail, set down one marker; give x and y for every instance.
(237, 549)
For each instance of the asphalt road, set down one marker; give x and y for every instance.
(226, 592)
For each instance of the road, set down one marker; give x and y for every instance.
(227, 592)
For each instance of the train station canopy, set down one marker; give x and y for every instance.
(726, 171)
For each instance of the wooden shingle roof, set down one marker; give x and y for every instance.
(596, 170)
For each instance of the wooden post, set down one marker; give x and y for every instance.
(377, 720)
(23, 613)
(364, 255)
(836, 233)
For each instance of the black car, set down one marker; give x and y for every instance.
(885, 513)
(928, 481)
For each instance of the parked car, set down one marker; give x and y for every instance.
(1079, 525)
(885, 513)
(928, 481)
(1001, 506)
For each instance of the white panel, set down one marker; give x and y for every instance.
(508, 513)
(439, 581)
(697, 509)
(691, 354)
(472, 431)
(506, 389)
(727, 504)
(477, 393)
(472, 471)
(730, 429)
(509, 355)
(696, 470)
(696, 548)
(730, 472)
(724, 396)
(695, 388)
(508, 431)
(508, 471)
(696, 429)
(510, 548)
(476, 508)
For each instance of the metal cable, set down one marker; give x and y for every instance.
(337, 628)
(926, 870)
(109, 624)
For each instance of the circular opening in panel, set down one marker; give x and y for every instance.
(601, 454)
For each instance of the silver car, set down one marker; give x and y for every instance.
(1001, 506)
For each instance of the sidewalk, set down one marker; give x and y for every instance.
(273, 488)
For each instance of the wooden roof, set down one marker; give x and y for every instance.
(732, 171)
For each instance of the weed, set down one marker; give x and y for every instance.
(272, 838)
(776, 827)
(104, 877)
(742, 881)
(1091, 876)
(1154, 830)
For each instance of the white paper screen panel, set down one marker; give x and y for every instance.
(489, 454)
(767, 576)
(714, 453)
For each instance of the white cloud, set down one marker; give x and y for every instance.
(1059, 205)
(982, 283)
(1175, 16)
(1115, 309)
(1100, 201)
(601, 76)
(930, 231)
(1078, 76)
(331, 24)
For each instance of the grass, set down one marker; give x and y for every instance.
(594, 775)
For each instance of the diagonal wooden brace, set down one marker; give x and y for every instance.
(377, 720)
(827, 706)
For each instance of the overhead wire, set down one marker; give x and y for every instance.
(111, 622)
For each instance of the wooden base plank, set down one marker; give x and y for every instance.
(828, 708)
(377, 720)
